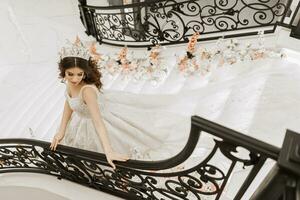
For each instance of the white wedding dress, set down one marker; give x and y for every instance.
(259, 98)
(135, 127)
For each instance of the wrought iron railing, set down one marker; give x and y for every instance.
(148, 179)
(295, 23)
(172, 22)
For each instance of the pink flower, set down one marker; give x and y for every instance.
(205, 55)
(123, 53)
(125, 65)
(93, 51)
(257, 55)
(192, 42)
(196, 66)
(183, 63)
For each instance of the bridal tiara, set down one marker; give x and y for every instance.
(75, 49)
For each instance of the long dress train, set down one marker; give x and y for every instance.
(254, 99)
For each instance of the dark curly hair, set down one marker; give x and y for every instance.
(91, 71)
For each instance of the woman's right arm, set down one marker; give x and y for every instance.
(62, 128)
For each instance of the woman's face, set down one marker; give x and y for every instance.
(74, 75)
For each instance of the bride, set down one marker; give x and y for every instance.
(119, 125)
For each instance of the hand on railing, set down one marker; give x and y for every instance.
(56, 140)
(112, 155)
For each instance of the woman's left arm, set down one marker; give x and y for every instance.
(90, 98)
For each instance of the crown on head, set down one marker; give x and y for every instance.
(76, 49)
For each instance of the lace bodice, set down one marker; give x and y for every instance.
(77, 104)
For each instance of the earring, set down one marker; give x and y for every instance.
(63, 80)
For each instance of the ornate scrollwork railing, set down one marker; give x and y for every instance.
(171, 22)
(165, 179)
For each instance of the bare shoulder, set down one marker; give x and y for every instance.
(89, 92)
